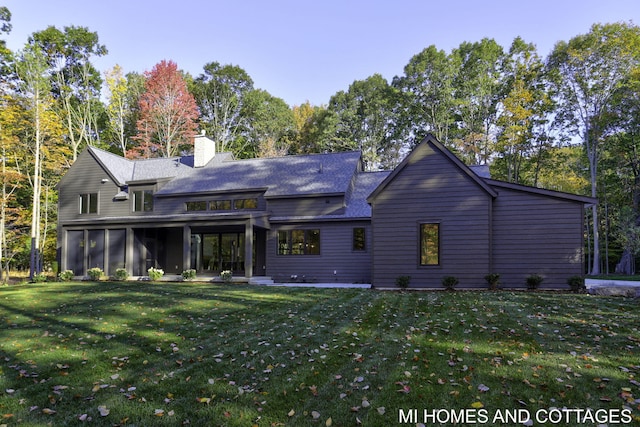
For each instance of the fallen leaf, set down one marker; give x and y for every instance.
(315, 415)
(104, 411)
(48, 411)
(477, 405)
(291, 413)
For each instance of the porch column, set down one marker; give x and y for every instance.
(248, 248)
(128, 257)
(186, 248)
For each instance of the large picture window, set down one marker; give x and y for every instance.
(299, 242)
(143, 201)
(89, 203)
(430, 244)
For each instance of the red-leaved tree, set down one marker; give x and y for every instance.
(168, 114)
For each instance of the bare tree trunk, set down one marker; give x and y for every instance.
(35, 212)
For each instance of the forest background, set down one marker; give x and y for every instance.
(568, 121)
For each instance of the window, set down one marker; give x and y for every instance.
(245, 204)
(197, 206)
(220, 205)
(359, 239)
(143, 201)
(299, 242)
(430, 244)
(89, 203)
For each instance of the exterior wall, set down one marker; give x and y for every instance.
(431, 189)
(336, 254)
(534, 234)
(86, 176)
(307, 206)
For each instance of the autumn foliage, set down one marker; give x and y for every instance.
(168, 114)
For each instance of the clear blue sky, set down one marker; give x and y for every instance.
(301, 50)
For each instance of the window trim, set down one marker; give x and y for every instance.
(354, 240)
(90, 196)
(145, 202)
(438, 254)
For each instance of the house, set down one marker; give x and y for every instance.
(315, 218)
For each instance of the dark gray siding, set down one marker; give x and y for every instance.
(307, 206)
(534, 234)
(431, 189)
(336, 254)
(86, 176)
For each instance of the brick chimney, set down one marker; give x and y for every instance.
(204, 149)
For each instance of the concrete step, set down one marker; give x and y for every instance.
(261, 280)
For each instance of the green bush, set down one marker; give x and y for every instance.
(226, 276)
(493, 280)
(121, 274)
(95, 273)
(66, 275)
(403, 281)
(40, 278)
(449, 282)
(576, 283)
(155, 273)
(534, 281)
(189, 274)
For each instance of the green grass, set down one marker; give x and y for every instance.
(140, 354)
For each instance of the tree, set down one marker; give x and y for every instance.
(5, 27)
(76, 83)
(315, 127)
(365, 118)
(123, 97)
(32, 69)
(220, 93)
(270, 125)
(12, 121)
(587, 71)
(168, 113)
(477, 93)
(525, 105)
(426, 100)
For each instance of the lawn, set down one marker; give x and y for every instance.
(141, 354)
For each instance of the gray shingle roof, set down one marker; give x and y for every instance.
(125, 170)
(280, 177)
(365, 183)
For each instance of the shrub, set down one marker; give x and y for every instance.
(534, 281)
(403, 281)
(40, 278)
(449, 282)
(155, 273)
(576, 283)
(493, 280)
(66, 275)
(226, 276)
(189, 274)
(121, 274)
(95, 273)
